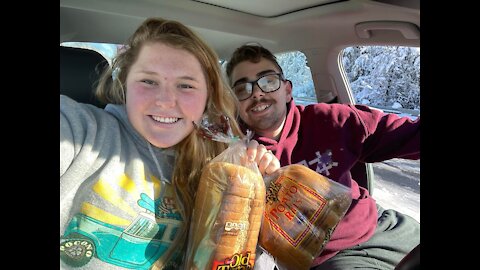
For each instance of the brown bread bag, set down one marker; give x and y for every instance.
(302, 210)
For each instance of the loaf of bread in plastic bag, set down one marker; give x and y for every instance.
(227, 217)
(302, 210)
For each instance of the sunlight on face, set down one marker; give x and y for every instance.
(262, 112)
(166, 91)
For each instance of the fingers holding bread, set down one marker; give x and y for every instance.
(267, 162)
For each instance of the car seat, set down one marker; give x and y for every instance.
(364, 175)
(80, 70)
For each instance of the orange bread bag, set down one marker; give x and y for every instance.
(302, 210)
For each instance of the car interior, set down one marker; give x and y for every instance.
(79, 71)
(320, 29)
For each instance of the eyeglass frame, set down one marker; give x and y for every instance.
(255, 82)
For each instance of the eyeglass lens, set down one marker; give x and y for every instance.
(267, 83)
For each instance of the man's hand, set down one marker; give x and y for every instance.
(265, 159)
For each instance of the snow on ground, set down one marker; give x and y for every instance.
(397, 186)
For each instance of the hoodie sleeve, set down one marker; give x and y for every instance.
(388, 135)
(79, 135)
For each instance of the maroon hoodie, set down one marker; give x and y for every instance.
(330, 139)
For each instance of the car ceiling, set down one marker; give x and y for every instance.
(280, 25)
(268, 8)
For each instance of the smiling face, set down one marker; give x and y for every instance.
(263, 112)
(166, 91)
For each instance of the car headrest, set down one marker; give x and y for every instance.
(80, 70)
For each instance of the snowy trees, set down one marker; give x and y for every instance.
(383, 76)
(294, 66)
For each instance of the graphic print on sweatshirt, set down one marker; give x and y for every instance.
(324, 162)
(127, 223)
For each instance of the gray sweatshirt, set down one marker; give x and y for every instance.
(117, 204)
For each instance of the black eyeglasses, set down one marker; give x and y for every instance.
(267, 83)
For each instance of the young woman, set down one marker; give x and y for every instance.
(128, 173)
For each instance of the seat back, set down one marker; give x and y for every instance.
(364, 175)
(79, 72)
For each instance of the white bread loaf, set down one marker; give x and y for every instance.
(227, 216)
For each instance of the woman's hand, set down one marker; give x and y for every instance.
(265, 159)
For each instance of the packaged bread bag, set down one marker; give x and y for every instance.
(302, 210)
(228, 210)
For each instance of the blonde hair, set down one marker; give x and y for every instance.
(194, 152)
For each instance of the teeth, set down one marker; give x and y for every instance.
(167, 120)
(260, 108)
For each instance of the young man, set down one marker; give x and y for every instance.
(330, 139)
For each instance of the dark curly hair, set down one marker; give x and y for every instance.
(252, 53)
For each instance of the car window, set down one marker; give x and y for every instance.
(295, 68)
(384, 77)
